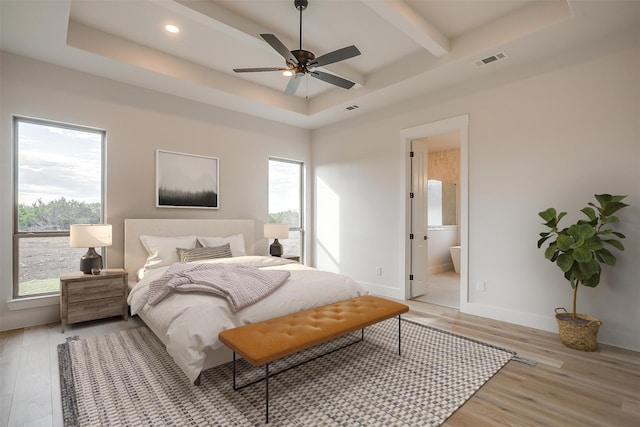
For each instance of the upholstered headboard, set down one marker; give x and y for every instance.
(135, 254)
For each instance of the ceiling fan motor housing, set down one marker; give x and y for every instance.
(303, 56)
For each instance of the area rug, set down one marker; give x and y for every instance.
(127, 379)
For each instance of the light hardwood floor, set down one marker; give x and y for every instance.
(565, 388)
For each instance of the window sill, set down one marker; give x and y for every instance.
(33, 302)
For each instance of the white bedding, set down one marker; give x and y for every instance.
(190, 322)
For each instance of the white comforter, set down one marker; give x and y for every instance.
(190, 322)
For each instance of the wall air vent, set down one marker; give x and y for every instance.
(490, 59)
(352, 107)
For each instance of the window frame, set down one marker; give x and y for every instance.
(16, 233)
(300, 228)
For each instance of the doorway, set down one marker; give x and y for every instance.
(429, 269)
(435, 213)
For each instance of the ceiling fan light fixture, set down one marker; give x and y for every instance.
(172, 28)
(287, 73)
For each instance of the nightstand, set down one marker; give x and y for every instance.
(292, 257)
(86, 297)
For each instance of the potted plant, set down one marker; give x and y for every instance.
(579, 250)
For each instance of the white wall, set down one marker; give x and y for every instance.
(550, 134)
(137, 122)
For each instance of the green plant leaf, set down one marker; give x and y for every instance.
(565, 261)
(590, 213)
(612, 207)
(620, 235)
(551, 250)
(592, 281)
(603, 198)
(569, 276)
(582, 231)
(606, 257)
(564, 242)
(615, 243)
(582, 255)
(548, 215)
(585, 271)
(544, 239)
(593, 244)
(610, 219)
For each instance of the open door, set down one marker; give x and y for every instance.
(418, 234)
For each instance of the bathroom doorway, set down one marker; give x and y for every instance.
(439, 257)
(441, 197)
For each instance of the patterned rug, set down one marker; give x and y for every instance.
(127, 378)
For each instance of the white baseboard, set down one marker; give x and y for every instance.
(384, 291)
(545, 323)
(435, 269)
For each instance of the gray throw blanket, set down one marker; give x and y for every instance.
(240, 285)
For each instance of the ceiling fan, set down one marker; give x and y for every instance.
(300, 62)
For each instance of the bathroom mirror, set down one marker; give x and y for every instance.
(441, 203)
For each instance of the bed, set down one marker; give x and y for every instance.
(188, 323)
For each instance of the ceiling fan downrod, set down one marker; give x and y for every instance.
(301, 5)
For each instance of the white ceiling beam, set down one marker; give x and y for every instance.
(405, 19)
(213, 15)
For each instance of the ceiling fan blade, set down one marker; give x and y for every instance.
(335, 56)
(275, 43)
(255, 70)
(293, 84)
(330, 78)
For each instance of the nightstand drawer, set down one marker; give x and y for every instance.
(97, 309)
(95, 289)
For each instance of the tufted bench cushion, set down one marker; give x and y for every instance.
(264, 342)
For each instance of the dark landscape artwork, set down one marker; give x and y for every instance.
(186, 181)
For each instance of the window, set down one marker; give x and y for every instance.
(58, 181)
(286, 184)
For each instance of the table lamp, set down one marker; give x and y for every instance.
(276, 231)
(90, 236)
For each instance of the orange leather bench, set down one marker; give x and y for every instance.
(263, 342)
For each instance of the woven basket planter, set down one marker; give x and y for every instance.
(580, 333)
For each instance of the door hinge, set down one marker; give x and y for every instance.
(410, 153)
(411, 277)
(411, 236)
(411, 195)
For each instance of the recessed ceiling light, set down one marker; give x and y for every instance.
(172, 28)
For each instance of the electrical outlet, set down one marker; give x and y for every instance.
(481, 286)
(378, 271)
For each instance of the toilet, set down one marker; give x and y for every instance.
(455, 257)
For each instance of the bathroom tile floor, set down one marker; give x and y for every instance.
(443, 289)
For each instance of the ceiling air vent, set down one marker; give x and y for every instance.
(351, 107)
(490, 59)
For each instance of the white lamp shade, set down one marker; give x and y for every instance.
(90, 235)
(276, 231)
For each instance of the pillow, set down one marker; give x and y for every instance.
(162, 250)
(236, 241)
(199, 254)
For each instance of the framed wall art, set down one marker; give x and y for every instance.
(186, 181)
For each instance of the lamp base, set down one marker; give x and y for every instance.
(276, 248)
(90, 260)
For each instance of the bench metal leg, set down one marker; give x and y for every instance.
(399, 334)
(234, 370)
(266, 388)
